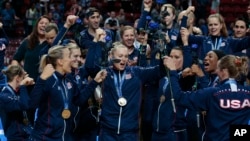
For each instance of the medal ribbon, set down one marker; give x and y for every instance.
(118, 86)
(165, 85)
(216, 46)
(64, 92)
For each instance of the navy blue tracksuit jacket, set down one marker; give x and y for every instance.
(227, 104)
(12, 104)
(115, 118)
(48, 98)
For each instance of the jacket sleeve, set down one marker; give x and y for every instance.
(84, 94)
(148, 74)
(60, 36)
(143, 21)
(93, 58)
(199, 99)
(195, 39)
(37, 93)
(187, 55)
(13, 103)
(203, 81)
(239, 45)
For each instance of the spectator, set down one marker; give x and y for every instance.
(8, 16)
(30, 48)
(31, 16)
(112, 24)
(121, 17)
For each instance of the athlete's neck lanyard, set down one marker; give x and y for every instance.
(216, 45)
(64, 92)
(118, 86)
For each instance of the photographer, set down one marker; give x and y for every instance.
(167, 30)
(112, 24)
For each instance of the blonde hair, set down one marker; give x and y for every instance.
(72, 46)
(235, 65)
(116, 45)
(54, 53)
(127, 27)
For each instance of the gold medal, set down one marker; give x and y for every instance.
(122, 101)
(162, 98)
(66, 113)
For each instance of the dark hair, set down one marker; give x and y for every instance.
(12, 71)
(177, 48)
(84, 53)
(241, 19)
(90, 11)
(219, 53)
(33, 37)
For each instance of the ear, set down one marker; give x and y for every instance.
(59, 62)
(174, 16)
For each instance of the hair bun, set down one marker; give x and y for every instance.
(238, 61)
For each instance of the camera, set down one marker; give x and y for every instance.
(112, 23)
(164, 14)
(142, 31)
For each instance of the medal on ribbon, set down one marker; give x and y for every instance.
(122, 101)
(66, 113)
